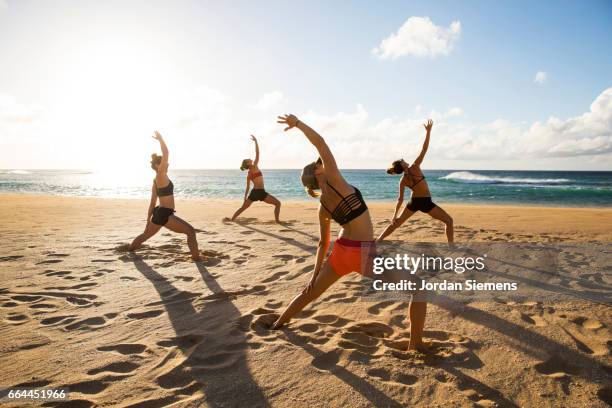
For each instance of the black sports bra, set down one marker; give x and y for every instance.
(165, 191)
(412, 178)
(349, 208)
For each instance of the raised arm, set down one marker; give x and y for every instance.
(256, 162)
(164, 149)
(428, 127)
(317, 140)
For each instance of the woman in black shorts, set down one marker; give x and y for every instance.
(163, 214)
(258, 193)
(420, 200)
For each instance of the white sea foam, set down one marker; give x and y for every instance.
(474, 178)
(17, 172)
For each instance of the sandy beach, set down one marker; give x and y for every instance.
(155, 329)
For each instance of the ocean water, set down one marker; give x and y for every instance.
(558, 188)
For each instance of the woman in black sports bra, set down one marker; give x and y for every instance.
(258, 193)
(354, 250)
(163, 214)
(414, 179)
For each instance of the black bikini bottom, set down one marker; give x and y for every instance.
(161, 215)
(421, 204)
(258, 194)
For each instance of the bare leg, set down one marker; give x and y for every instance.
(270, 199)
(247, 203)
(417, 309)
(325, 279)
(176, 224)
(417, 312)
(150, 230)
(406, 213)
(439, 214)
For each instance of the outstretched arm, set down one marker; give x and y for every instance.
(164, 149)
(317, 140)
(400, 199)
(256, 162)
(324, 231)
(248, 186)
(428, 127)
(152, 203)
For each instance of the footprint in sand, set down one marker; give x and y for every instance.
(183, 342)
(273, 304)
(378, 307)
(393, 378)
(86, 387)
(91, 323)
(49, 261)
(56, 273)
(16, 319)
(125, 348)
(65, 319)
(274, 277)
(145, 315)
(331, 320)
(212, 258)
(10, 258)
(117, 367)
(555, 368)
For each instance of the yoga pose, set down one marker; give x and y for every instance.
(420, 200)
(163, 214)
(258, 193)
(354, 249)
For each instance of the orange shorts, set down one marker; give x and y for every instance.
(352, 256)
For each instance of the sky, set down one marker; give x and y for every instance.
(511, 85)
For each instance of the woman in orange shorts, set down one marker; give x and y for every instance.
(354, 249)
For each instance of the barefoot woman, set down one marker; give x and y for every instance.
(258, 193)
(354, 249)
(163, 214)
(420, 200)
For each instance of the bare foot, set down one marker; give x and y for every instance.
(420, 347)
(276, 326)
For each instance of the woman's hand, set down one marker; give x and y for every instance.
(311, 283)
(157, 136)
(253, 138)
(428, 125)
(290, 120)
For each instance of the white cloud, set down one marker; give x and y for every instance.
(12, 112)
(359, 142)
(540, 77)
(270, 100)
(419, 37)
(456, 111)
(587, 134)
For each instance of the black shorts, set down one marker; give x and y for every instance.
(161, 215)
(258, 194)
(421, 204)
